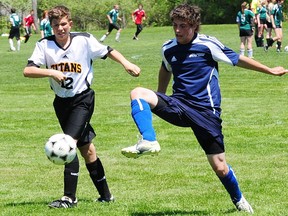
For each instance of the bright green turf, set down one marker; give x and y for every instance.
(177, 182)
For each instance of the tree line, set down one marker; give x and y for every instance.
(91, 14)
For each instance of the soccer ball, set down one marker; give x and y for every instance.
(286, 48)
(60, 149)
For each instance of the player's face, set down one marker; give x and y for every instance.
(184, 32)
(61, 28)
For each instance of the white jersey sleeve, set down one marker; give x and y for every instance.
(75, 61)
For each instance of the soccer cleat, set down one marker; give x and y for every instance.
(64, 202)
(278, 50)
(135, 38)
(266, 48)
(244, 206)
(105, 200)
(143, 147)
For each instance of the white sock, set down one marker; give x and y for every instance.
(117, 36)
(103, 37)
(11, 44)
(18, 45)
(242, 51)
(250, 53)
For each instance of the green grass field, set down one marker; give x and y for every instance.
(177, 182)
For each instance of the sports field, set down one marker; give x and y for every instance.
(177, 182)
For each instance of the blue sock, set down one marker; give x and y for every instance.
(142, 116)
(231, 185)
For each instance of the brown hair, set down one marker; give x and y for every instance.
(59, 12)
(189, 13)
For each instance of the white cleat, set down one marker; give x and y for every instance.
(143, 147)
(244, 206)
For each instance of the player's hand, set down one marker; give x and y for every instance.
(58, 76)
(133, 69)
(278, 71)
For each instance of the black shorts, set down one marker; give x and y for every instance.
(14, 32)
(205, 124)
(113, 26)
(245, 33)
(263, 21)
(269, 25)
(74, 116)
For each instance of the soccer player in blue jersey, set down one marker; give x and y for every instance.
(191, 59)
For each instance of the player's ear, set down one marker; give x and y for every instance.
(71, 23)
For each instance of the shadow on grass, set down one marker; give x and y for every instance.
(25, 203)
(170, 213)
(167, 213)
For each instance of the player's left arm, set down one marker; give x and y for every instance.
(251, 64)
(131, 68)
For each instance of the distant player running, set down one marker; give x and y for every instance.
(192, 60)
(28, 24)
(15, 30)
(137, 16)
(67, 57)
(113, 17)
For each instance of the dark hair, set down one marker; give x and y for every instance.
(189, 13)
(59, 12)
(13, 10)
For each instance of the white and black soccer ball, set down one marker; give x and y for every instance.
(61, 149)
(286, 48)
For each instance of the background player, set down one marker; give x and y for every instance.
(276, 20)
(191, 58)
(67, 58)
(245, 20)
(137, 16)
(45, 27)
(14, 30)
(113, 17)
(28, 25)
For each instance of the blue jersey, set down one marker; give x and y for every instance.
(195, 69)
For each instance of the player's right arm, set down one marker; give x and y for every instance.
(163, 79)
(36, 72)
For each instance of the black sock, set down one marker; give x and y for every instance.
(97, 175)
(279, 45)
(71, 178)
(271, 41)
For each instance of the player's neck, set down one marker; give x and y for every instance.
(64, 43)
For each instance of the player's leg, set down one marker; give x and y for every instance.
(110, 28)
(28, 33)
(229, 180)
(10, 39)
(208, 131)
(279, 34)
(96, 171)
(142, 100)
(62, 109)
(83, 131)
(242, 45)
(117, 37)
(18, 39)
(249, 39)
(138, 30)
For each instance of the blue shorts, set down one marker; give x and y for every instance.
(205, 124)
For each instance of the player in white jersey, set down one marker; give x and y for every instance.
(68, 59)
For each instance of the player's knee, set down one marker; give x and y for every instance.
(221, 171)
(137, 93)
(88, 152)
